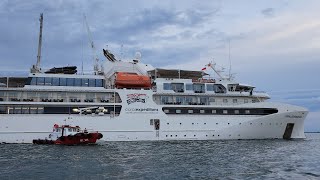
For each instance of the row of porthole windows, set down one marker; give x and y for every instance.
(178, 111)
(239, 123)
(194, 135)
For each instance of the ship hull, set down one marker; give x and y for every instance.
(25, 128)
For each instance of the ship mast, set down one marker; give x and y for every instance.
(36, 68)
(95, 57)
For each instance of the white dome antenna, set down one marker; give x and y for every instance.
(137, 57)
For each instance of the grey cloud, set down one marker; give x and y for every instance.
(268, 12)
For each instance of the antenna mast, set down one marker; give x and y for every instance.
(229, 62)
(36, 68)
(95, 57)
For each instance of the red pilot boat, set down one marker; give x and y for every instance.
(69, 135)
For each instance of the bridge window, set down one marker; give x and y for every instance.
(99, 83)
(40, 81)
(210, 87)
(85, 82)
(92, 83)
(77, 82)
(70, 81)
(55, 81)
(167, 86)
(189, 87)
(48, 81)
(63, 82)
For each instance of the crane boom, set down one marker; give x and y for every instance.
(94, 53)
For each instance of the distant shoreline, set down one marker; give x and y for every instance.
(311, 132)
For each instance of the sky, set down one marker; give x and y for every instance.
(274, 44)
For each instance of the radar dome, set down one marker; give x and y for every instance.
(137, 56)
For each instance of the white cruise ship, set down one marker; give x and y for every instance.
(132, 101)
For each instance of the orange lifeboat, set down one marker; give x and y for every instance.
(132, 80)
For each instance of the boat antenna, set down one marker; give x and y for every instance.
(95, 57)
(36, 68)
(229, 62)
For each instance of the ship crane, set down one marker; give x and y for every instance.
(36, 68)
(94, 53)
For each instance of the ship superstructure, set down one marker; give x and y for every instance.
(133, 101)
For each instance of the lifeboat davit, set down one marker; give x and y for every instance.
(132, 80)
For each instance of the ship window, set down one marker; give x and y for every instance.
(55, 81)
(201, 111)
(40, 81)
(99, 83)
(189, 99)
(179, 100)
(225, 111)
(92, 82)
(210, 87)
(63, 82)
(211, 99)
(33, 81)
(166, 111)
(203, 100)
(189, 87)
(245, 100)
(70, 81)
(235, 100)
(214, 111)
(40, 110)
(85, 82)
(178, 111)
(225, 100)
(33, 110)
(190, 111)
(236, 111)
(25, 110)
(48, 81)
(247, 111)
(167, 86)
(3, 110)
(17, 110)
(77, 82)
(177, 87)
(151, 122)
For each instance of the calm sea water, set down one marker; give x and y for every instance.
(235, 159)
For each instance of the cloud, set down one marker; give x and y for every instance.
(268, 12)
